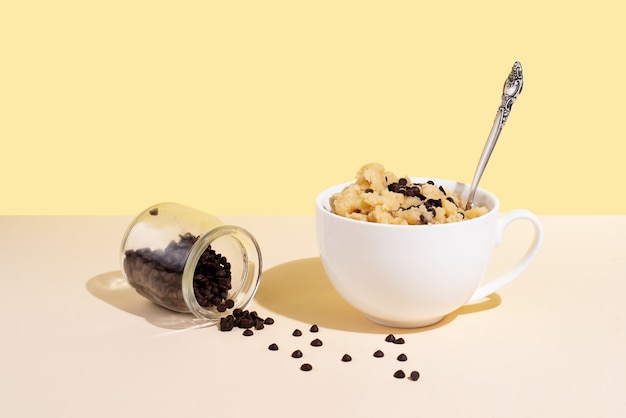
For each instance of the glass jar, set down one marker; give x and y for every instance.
(189, 261)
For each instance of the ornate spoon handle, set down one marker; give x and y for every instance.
(511, 90)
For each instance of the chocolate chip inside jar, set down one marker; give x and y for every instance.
(157, 275)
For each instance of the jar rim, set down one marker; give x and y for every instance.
(251, 274)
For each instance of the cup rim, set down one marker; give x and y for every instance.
(482, 196)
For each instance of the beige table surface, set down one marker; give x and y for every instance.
(77, 342)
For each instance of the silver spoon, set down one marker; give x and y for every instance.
(511, 90)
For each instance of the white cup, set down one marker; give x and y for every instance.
(414, 275)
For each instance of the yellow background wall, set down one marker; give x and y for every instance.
(252, 107)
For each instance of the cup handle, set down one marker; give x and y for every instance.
(533, 249)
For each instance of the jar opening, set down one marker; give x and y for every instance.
(222, 272)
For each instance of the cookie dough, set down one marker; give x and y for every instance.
(382, 197)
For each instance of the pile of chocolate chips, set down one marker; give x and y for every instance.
(212, 281)
(245, 320)
(157, 275)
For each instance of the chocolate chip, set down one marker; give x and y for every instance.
(245, 322)
(154, 212)
(314, 328)
(296, 354)
(296, 333)
(346, 358)
(248, 332)
(378, 354)
(414, 375)
(403, 187)
(273, 347)
(399, 341)
(268, 321)
(368, 191)
(316, 342)
(390, 338)
(227, 323)
(399, 374)
(306, 367)
(402, 357)
(433, 203)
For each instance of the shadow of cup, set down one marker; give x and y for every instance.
(114, 289)
(301, 290)
(298, 289)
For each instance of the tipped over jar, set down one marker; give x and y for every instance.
(189, 261)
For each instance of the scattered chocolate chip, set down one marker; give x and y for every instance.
(296, 333)
(154, 212)
(414, 375)
(378, 354)
(268, 321)
(390, 338)
(306, 367)
(368, 191)
(399, 341)
(296, 354)
(316, 342)
(402, 357)
(273, 347)
(346, 358)
(248, 332)
(399, 374)
(314, 328)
